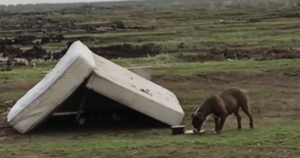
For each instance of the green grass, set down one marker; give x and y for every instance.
(166, 66)
(194, 68)
(260, 141)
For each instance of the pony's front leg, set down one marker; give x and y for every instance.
(217, 120)
(221, 123)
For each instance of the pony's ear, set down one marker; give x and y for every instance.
(192, 115)
(199, 115)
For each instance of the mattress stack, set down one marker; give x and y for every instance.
(80, 65)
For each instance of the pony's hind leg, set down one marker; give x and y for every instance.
(238, 119)
(246, 110)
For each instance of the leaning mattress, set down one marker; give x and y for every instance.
(39, 102)
(134, 91)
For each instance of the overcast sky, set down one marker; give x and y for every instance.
(47, 1)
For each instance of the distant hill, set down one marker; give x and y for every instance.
(59, 6)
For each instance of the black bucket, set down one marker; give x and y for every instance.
(178, 129)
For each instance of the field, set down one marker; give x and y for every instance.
(191, 43)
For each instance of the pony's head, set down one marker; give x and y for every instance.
(197, 121)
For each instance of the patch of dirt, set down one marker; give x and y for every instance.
(7, 85)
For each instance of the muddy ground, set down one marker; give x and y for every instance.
(198, 33)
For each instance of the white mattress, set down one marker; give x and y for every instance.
(71, 71)
(124, 86)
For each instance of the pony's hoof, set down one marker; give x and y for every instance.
(217, 132)
(195, 131)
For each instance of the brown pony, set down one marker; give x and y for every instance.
(221, 105)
